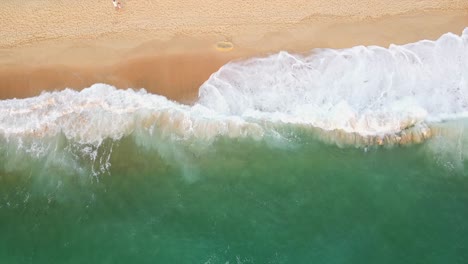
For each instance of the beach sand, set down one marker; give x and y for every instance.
(170, 47)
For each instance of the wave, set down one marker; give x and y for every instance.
(361, 96)
(365, 90)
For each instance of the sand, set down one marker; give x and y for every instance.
(172, 47)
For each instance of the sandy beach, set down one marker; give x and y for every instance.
(265, 131)
(170, 47)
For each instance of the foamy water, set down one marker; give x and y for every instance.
(243, 175)
(366, 90)
(371, 92)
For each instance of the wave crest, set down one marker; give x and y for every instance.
(362, 95)
(365, 90)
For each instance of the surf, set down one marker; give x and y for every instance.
(361, 96)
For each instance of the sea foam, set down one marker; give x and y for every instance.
(376, 95)
(365, 90)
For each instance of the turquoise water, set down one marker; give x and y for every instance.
(297, 200)
(357, 155)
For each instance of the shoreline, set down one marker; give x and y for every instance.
(175, 67)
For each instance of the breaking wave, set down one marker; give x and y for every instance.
(360, 96)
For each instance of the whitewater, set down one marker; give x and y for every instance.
(365, 90)
(360, 96)
(356, 155)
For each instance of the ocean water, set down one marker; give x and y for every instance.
(339, 156)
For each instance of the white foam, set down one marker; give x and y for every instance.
(365, 90)
(361, 90)
(35, 127)
(102, 111)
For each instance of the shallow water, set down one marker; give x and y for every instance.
(350, 156)
(242, 201)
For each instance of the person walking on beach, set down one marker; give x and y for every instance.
(117, 5)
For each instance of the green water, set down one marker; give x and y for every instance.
(239, 201)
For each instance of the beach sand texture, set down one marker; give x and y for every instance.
(169, 47)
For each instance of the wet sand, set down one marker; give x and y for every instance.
(170, 48)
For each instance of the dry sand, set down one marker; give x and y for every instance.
(169, 47)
